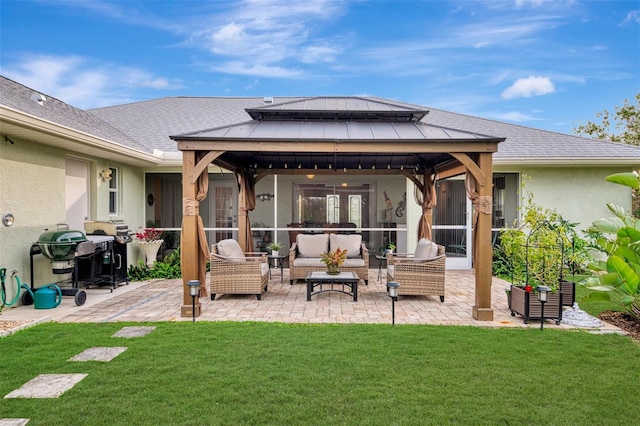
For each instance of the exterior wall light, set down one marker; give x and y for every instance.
(8, 219)
(264, 197)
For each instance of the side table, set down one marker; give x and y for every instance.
(381, 258)
(276, 262)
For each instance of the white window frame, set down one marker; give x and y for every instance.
(114, 192)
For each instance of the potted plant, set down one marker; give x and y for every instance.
(390, 247)
(275, 248)
(333, 260)
(149, 240)
(537, 254)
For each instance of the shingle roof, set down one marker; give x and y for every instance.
(19, 97)
(152, 122)
(147, 125)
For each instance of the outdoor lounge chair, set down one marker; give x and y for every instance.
(235, 272)
(421, 273)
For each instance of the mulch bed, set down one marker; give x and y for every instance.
(624, 321)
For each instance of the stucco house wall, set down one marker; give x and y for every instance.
(32, 188)
(579, 194)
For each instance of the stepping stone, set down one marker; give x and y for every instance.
(134, 331)
(13, 422)
(47, 386)
(99, 354)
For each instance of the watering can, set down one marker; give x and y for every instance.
(45, 297)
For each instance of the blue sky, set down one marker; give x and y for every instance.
(548, 64)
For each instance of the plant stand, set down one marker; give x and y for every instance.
(529, 307)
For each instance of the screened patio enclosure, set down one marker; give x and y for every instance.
(327, 135)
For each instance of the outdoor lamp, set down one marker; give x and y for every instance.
(8, 219)
(392, 289)
(543, 293)
(194, 290)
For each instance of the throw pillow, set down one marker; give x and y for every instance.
(231, 249)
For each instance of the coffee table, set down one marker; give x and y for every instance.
(322, 280)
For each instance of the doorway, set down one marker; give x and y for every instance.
(76, 183)
(452, 223)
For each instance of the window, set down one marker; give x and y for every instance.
(113, 192)
(333, 208)
(329, 203)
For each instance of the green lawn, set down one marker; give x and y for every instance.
(263, 373)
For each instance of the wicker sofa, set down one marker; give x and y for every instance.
(235, 272)
(421, 273)
(304, 254)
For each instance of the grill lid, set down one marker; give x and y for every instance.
(60, 244)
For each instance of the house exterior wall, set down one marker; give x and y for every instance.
(32, 188)
(579, 194)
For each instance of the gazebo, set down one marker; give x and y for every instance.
(323, 135)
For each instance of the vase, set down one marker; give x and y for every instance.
(150, 249)
(332, 269)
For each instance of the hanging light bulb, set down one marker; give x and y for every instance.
(388, 166)
(285, 165)
(344, 170)
(359, 166)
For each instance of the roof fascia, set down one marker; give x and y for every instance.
(567, 162)
(319, 145)
(63, 137)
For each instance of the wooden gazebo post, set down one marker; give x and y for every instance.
(192, 269)
(482, 250)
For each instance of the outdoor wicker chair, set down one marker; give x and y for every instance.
(235, 272)
(421, 273)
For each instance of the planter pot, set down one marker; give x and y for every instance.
(275, 253)
(332, 269)
(568, 290)
(150, 249)
(529, 307)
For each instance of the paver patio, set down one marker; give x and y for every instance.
(160, 300)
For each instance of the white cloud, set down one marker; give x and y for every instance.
(260, 35)
(527, 87)
(244, 68)
(633, 16)
(82, 83)
(515, 116)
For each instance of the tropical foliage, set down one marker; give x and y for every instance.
(542, 251)
(334, 257)
(618, 238)
(169, 268)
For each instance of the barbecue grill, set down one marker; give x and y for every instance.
(60, 246)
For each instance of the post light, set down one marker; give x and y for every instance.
(194, 290)
(392, 289)
(543, 293)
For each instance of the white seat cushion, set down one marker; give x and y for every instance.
(312, 245)
(231, 249)
(425, 250)
(312, 262)
(350, 242)
(264, 269)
